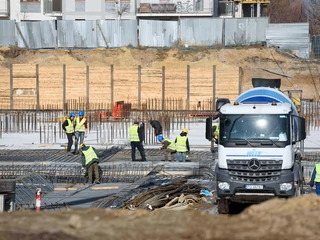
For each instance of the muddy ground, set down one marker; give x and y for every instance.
(296, 218)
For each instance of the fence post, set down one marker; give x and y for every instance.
(139, 86)
(111, 83)
(64, 83)
(40, 134)
(97, 134)
(163, 85)
(214, 87)
(18, 122)
(87, 89)
(188, 87)
(6, 123)
(21, 35)
(37, 86)
(11, 86)
(55, 134)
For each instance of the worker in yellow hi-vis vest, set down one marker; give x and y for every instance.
(68, 127)
(90, 160)
(215, 137)
(182, 146)
(136, 139)
(168, 148)
(81, 130)
(315, 178)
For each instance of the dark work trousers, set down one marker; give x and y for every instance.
(170, 152)
(93, 167)
(138, 145)
(70, 141)
(317, 188)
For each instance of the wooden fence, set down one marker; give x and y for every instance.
(65, 87)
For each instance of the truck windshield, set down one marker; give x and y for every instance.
(254, 128)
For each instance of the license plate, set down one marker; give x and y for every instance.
(254, 186)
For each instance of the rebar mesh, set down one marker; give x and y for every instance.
(26, 187)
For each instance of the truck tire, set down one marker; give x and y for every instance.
(301, 187)
(298, 188)
(223, 206)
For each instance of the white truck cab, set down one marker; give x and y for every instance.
(258, 151)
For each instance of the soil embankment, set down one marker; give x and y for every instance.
(296, 218)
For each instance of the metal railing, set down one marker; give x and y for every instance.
(180, 7)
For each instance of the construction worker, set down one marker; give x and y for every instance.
(68, 127)
(90, 160)
(136, 139)
(81, 130)
(168, 147)
(315, 178)
(182, 146)
(215, 137)
(157, 127)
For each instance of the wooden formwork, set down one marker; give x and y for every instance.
(50, 87)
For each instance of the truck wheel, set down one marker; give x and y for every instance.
(298, 189)
(223, 206)
(301, 187)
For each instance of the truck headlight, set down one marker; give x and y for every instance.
(224, 185)
(285, 186)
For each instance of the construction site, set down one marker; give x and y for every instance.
(45, 192)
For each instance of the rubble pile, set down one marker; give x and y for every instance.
(177, 195)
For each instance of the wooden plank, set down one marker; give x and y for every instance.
(105, 188)
(65, 189)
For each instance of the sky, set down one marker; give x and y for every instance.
(196, 137)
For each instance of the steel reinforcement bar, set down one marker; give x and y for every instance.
(26, 187)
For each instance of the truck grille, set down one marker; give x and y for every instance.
(269, 170)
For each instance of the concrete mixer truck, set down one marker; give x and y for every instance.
(259, 146)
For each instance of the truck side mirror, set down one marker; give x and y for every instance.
(299, 129)
(220, 102)
(209, 128)
(302, 128)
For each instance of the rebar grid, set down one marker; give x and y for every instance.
(27, 185)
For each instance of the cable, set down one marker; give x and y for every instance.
(280, 68)
(314, 84)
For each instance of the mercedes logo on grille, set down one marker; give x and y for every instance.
(254, 164)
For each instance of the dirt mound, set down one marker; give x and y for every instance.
(276, 219)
